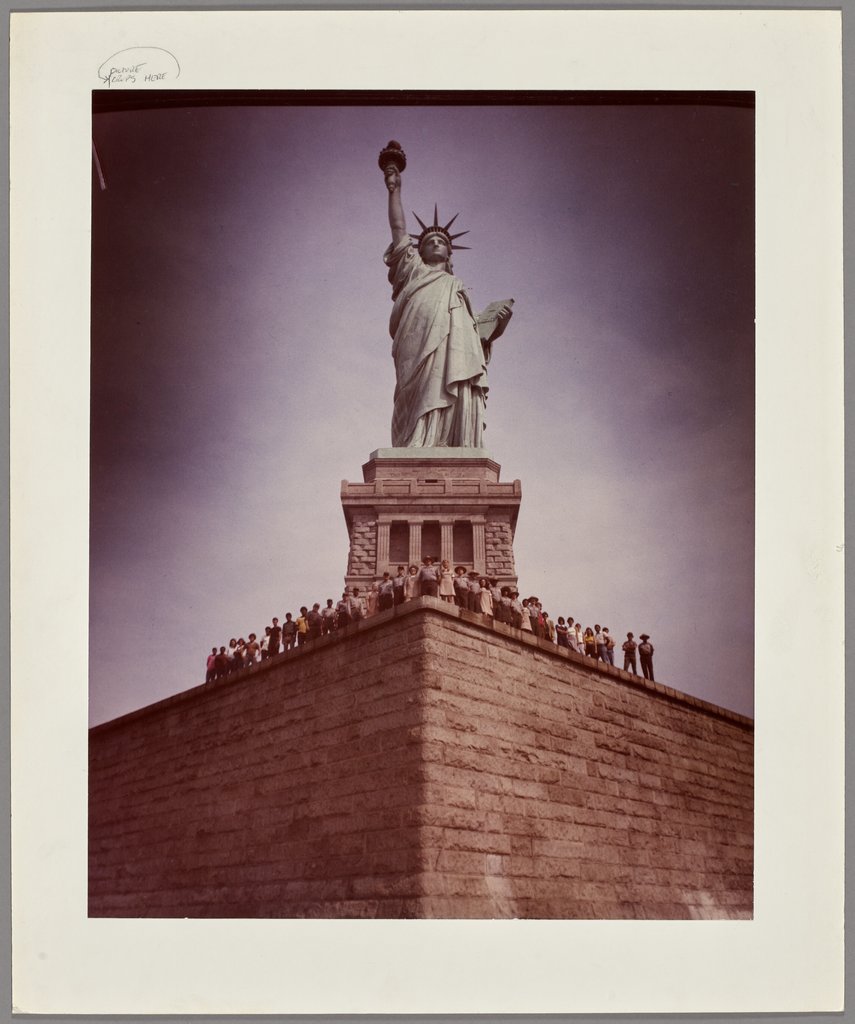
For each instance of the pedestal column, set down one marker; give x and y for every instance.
(415, 543)
(382, 547)
(479, 546)
(446, 540)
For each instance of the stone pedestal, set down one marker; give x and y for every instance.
(426, 762)
(444, 502)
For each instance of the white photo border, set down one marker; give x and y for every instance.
(790, 957)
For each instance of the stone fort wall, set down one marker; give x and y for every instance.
(424, 763)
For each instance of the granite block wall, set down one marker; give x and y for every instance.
(500, 546)
(363, 546)
(284, 791)
(424, 763)
(558, 790)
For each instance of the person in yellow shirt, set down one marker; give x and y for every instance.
(302, 626)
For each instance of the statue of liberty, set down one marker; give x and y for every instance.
(440, 347)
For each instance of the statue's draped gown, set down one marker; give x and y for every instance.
(440, 360)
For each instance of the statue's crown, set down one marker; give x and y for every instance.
(437, 229)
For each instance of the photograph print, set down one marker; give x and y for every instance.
(422, 505)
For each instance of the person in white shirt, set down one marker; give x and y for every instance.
(446, 581)
(485, 598)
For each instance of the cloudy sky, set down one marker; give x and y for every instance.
(241, 364)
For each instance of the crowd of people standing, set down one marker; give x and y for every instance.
(464, 588)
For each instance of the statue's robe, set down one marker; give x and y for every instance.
(440, 358)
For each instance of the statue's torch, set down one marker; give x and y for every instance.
(392, 159)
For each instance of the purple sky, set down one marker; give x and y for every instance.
(241, 366)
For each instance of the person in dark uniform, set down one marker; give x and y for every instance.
(645, 652)
(512, 607)
(398, 586)
(499, 611)
(342, 611)
(461, 587)
(473, 597)
(428, 578)
(289, 633)
(629, 647)
(316, 623)
(275, 639)
(386, 593)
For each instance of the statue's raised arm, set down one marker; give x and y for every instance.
(392, 161)
(440, 347)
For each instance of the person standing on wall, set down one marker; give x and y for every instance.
(645, 652)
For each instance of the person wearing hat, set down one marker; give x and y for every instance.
(645, 652)
(629, 648)
(461, 586)
(527, 620)
(512, 606)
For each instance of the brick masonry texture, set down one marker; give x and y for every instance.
(424, 763)
(363, 547)
(500, 547)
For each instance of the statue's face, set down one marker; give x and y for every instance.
(435, 250)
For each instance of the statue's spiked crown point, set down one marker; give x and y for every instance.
(437, 229)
